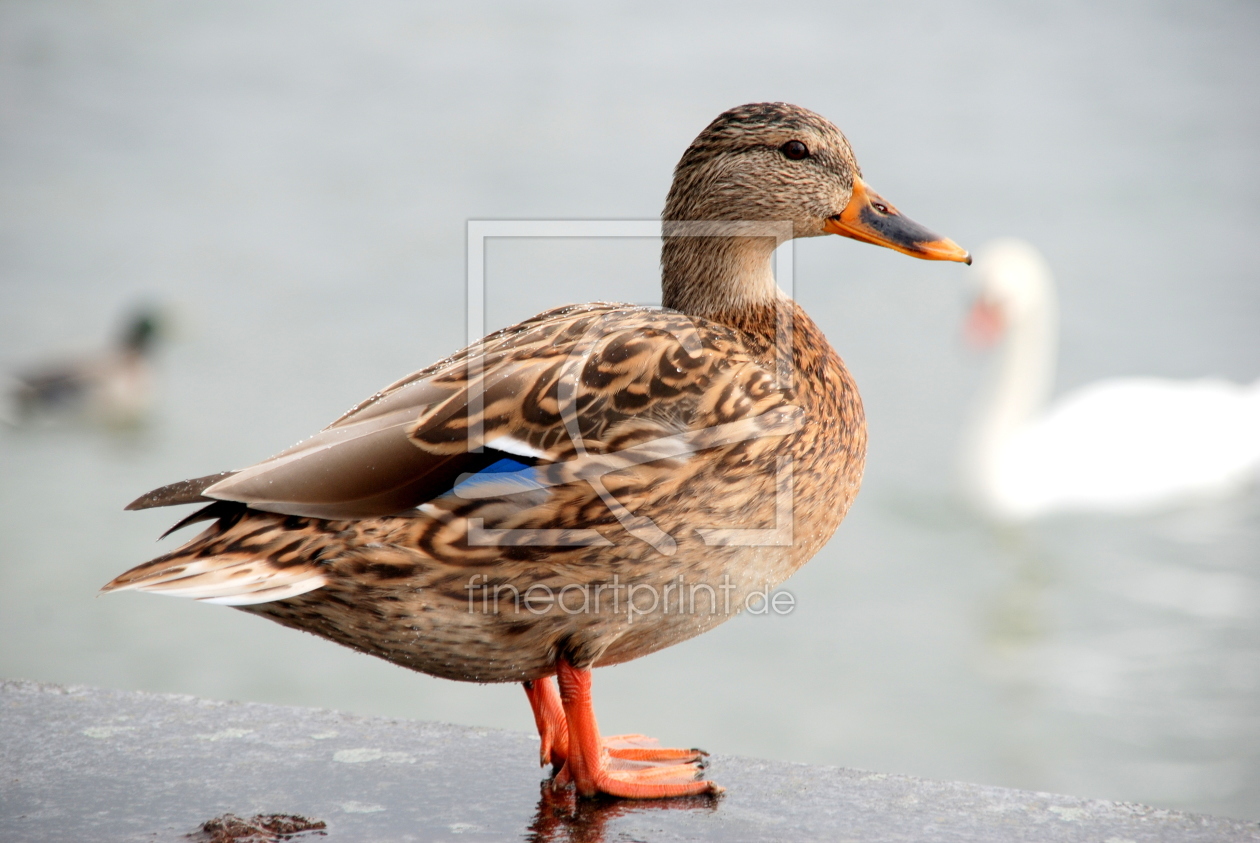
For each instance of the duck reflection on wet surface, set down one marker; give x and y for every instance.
(561, 817)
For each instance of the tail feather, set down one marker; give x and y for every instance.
(226, 512)
(229, 580)
(223, 566)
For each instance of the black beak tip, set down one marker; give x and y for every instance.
(968, 260)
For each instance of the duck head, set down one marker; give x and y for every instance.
(142, 329)
(772, 163)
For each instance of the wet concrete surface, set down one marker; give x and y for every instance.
(84, 764)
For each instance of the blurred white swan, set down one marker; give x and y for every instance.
(1117, 445)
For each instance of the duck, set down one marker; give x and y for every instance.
(113, 386)
(588, 486)
(1118, 446)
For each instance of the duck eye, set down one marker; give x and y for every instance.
(795, 150)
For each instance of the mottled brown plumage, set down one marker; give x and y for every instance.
(670, 461)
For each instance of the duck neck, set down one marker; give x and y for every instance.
(1020, 386)
(710, 276)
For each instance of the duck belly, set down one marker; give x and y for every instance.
(509, 622)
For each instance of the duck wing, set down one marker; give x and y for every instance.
(578, 381)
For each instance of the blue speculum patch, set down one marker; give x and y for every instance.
(469, 484)
(503, 465)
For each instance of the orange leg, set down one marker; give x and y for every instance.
(553, 733)
(588, 765)
(553, 730)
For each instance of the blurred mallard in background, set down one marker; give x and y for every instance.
(1119, 445)
(588, 486)
(113, 386)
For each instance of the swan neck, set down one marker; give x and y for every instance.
(1020, 386)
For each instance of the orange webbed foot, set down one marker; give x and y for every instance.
(643, 748)
(629, 766)
(553, 736)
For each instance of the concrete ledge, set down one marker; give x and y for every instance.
(81, 764)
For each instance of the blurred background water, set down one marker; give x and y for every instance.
(290, 182)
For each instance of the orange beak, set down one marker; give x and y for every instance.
(871, 219)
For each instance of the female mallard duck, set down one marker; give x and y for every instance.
(586, 487)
